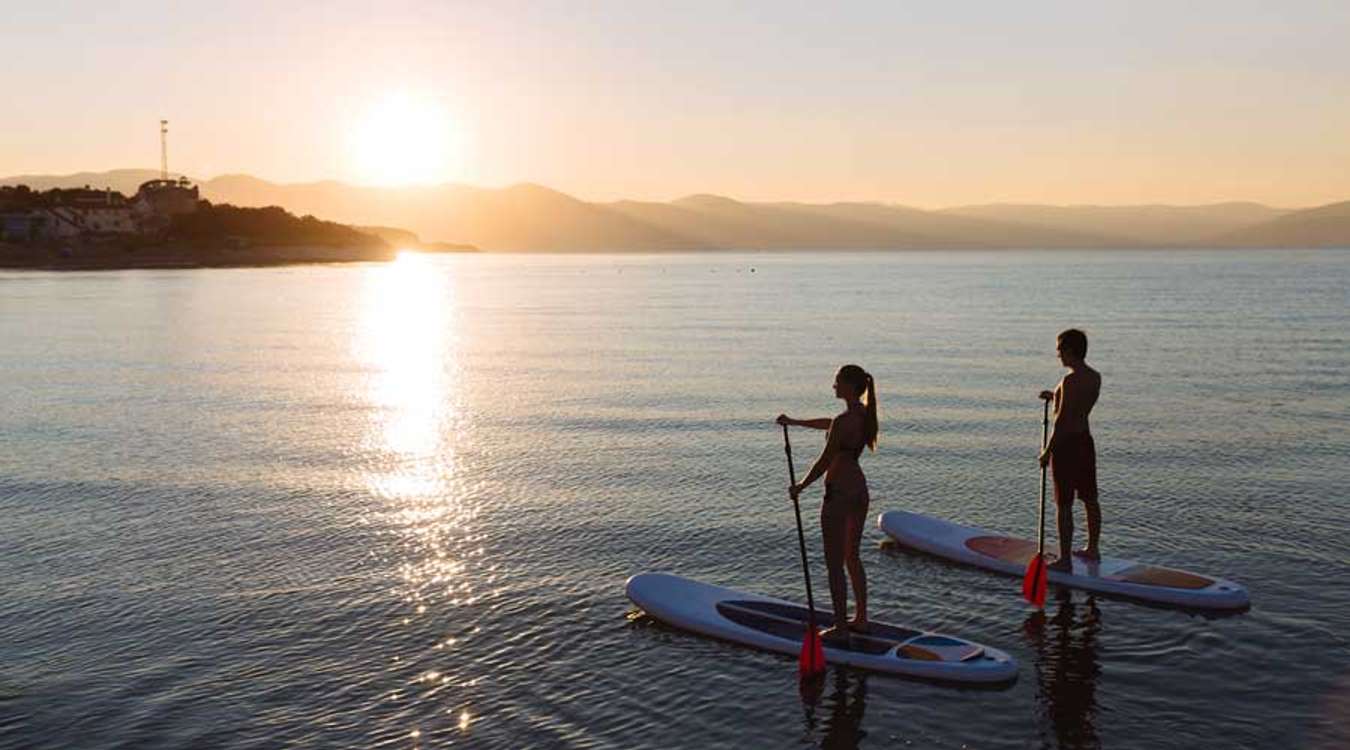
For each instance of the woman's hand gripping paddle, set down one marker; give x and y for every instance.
(811, 662)
(1034, 582)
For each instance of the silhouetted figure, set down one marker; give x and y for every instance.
(1071, 454)
(843, 514)
(1067, 666)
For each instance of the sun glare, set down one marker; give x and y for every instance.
(403, 140)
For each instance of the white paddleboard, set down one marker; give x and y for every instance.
(776, 625)
(1010, 555)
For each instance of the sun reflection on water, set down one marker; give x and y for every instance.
(409, 341)
(409, 344)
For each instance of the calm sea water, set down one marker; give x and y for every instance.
(395, 505)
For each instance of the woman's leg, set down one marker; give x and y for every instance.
(834, 532)
(853, 559)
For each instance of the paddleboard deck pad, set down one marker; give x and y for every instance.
(1010, 555)
(776, 625)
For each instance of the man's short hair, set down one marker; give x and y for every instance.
(1074, 341)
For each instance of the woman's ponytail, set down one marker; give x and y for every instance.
(871, 425)
(863, 386)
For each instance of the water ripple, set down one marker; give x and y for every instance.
(394, 505)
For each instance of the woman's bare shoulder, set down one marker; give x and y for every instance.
(848, 419)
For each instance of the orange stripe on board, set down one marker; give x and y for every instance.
(1004, 548)
(1152, 575)
(922, 654)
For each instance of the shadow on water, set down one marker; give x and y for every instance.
(836, 716)
(1067, 666)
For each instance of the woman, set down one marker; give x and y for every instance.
(844, 511)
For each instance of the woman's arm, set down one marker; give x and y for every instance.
(816, 424)
(826, 457)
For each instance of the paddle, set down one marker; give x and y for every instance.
(1034, 582)
(811, 661)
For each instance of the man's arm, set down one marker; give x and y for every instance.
(1066, 405)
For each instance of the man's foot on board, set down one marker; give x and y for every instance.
(1063, 565)
(858, 626)
(1087, 553)
(834, 635)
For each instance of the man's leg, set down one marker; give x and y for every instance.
(1094, 524)
(1063, 514)
(1064, 523)
(1088, 491)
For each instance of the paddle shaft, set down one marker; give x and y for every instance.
(1045, 434)
(801, 535)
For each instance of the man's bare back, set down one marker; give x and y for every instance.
(1075, 396)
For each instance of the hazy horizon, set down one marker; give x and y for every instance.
(529, 216)
(1052, 103)
(66, 180)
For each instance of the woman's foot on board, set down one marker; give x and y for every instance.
(835, 635)
(1062, 565)
(1088, 553)
(858, 625)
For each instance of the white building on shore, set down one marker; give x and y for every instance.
(157, 201)
(85, 211)
(91, 214)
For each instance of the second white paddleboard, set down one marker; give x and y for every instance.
(1010, 555)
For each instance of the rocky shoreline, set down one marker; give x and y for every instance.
(99, 257)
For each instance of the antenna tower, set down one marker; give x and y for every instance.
(163, 149)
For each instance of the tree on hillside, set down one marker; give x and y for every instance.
(272, 226)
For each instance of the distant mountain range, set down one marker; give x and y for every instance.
(531, 217)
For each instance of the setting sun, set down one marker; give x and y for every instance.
(403, 140)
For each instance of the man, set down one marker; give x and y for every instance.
(1070, 453)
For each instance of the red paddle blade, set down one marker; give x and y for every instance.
(1034, 582)
(1029, 579)
(1042, 582)
(811, 661)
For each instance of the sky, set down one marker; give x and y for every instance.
(920, 103)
